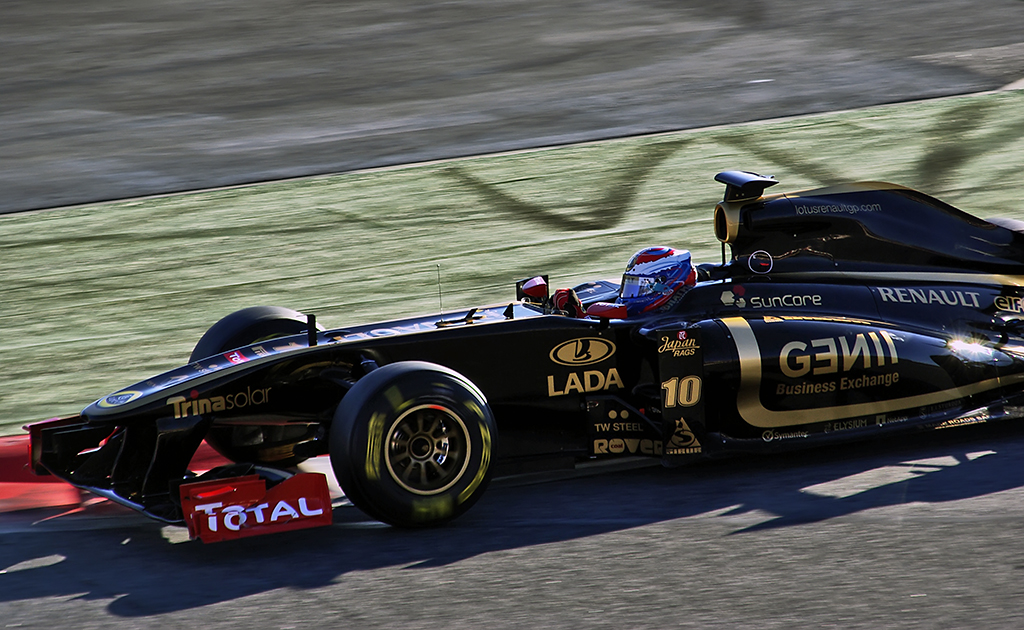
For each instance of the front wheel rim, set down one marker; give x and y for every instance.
(428, 449)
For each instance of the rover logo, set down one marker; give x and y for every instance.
(583, 351)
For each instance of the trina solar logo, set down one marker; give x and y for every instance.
(197, 406)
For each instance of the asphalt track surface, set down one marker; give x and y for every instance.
(105, 101)
(924, 533)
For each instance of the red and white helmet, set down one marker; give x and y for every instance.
(653, 275)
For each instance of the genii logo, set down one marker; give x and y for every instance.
(583, 351)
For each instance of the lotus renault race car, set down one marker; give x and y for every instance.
(842, 313)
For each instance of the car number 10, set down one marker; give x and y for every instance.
(682, 392)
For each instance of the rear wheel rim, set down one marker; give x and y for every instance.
(428, 449)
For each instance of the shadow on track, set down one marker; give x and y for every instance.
(144, 574)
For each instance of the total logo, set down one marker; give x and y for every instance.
(225, 509)
(236, 357)
(235, 517)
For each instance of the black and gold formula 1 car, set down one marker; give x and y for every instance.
(842, 313)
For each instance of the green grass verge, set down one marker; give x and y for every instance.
(96, 297)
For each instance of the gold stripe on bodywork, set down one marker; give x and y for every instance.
(877, 277)
(748, 401)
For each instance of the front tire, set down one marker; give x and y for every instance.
(411, 444)
(272, 445)
(249, 326)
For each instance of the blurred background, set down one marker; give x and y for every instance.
(109, 99)
(116, 100)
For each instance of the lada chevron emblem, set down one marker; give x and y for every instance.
(583, 351)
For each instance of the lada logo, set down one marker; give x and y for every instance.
(589, 381)
(583, 351)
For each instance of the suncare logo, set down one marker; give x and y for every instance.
(940, 297)
(838, 354)
(736, 298)
(583, 351)
(784, 301)
(589, 381)
(184, 407)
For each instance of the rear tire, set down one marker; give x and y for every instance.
(411, 444)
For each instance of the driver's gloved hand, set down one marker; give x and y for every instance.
(568, 303)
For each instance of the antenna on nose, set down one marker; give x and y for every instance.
(440, 305)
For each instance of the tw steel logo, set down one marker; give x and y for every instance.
(583, 351)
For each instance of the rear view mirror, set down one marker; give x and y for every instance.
(532, 289)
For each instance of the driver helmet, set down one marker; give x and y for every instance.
(653, 275)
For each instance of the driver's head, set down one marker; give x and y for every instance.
(653, 275)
